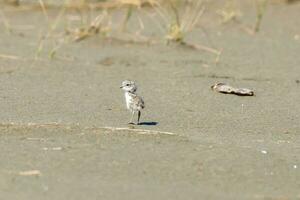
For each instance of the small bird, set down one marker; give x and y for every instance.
(134, 103)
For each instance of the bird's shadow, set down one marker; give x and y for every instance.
(148, 123)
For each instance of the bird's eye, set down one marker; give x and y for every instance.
(127, 84)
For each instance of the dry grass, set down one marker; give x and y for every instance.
(261, 6)
(175, 18)
(99, 25)
(5, 22)
(230, 12)
(178, 18)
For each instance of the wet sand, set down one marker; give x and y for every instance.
(222, 147)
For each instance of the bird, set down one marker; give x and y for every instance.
(134, 103)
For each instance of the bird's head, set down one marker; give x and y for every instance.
(128, 86)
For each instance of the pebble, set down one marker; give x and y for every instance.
(295, 166)
(264, 151)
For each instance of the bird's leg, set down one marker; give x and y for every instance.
(139, 116)
(131, 119)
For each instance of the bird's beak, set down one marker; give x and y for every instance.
(121, 86)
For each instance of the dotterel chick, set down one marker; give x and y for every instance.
(134, 103)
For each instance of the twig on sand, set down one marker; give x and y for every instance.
(43, 7)
(218, 53)
(11, 57)
(5, 22)
(30, 173)
(261, 6)
(140, 131)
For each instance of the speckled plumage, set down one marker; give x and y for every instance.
(134, 103)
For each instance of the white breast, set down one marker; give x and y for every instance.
(128, 99)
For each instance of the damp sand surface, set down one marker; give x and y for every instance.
(63, 132)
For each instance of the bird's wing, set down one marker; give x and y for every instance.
(140, 101)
